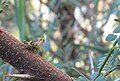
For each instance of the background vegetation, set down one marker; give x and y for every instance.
(75, 32)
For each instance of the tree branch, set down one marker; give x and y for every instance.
(26, 61)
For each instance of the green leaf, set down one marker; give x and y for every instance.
(101, 78)
(101, 60)
(114, 61)
(80, 74)
(117, 30)
(115, 53)
(111, 37)
(119, 40)
(80, 79)
(20, 18)
(94, 75)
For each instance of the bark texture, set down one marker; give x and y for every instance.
(15, 53)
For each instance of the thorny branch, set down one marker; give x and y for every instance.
(26, 61)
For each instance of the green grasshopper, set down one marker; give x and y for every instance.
(35, 46)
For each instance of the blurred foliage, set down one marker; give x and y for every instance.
(75, 31)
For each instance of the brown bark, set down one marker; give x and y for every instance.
(26, 61)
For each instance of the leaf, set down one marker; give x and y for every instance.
(94, 75)
(80, 74)
(117, 30)
(101, 60)
(117, 79)
(80, 79)
(114, 63)
(119, 40)
(111, 37)
(115, 53)
(100, 78)
(20, 18)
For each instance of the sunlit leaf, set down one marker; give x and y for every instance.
(117, 79)
(111, 37)
(117, 30)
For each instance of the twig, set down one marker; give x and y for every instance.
(107, 58)
(26, 61)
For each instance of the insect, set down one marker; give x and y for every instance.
(35, 46)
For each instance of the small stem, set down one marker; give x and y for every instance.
(107, 58)
(109, 72)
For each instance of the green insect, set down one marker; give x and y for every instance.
(35, 46)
